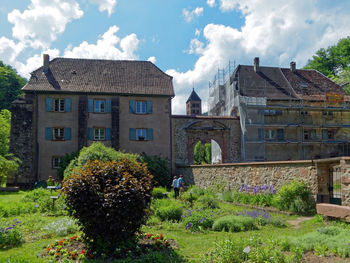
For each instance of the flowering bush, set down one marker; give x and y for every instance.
(10, 236)
(67, 248)
(196, 220)
(234, 223)
(110, 201)
(61, 227)
(262, 218)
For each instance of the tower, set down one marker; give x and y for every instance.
(194, 104)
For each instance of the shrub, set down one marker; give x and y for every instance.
(208, 200)
(159, 168)
(198, 219)
(234, 223)
(65, 161)
(10, 236)
(97, 151)
(159, 193)
(296, 197)
(199, 153)
(110, 201)
(61, 227)
(207, 149)
(168, 210)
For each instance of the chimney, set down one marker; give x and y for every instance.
(46, 60)
(292, 66)
(256, 64)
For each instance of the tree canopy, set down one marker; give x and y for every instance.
(10, 85)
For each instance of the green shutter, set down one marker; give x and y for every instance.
(108, 134)
(150, 134)
(67, 134)
(68, 105)
(48, 133)
(90, 133)
(108, 105)
(325, 135)
(132, 134)
(132, 106)
(280, 134)
(91, 105)
(48, 104)
(149, 107)
(261, 134)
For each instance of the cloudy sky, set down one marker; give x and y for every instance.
(188, 39)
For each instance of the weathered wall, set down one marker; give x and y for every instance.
(22, 143)
(232, 176)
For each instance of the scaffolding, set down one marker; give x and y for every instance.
(291, 128)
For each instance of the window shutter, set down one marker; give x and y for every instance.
(132, 134)
(131, 106)
(280, 134)
(48, 133)
(67, 134)
(48, 104)
(91, 105)
(324, 134)
(68, 105)
(90, 133)
(108, 105)
(150, 134)
(261, 134)
(278, 112)
(108, 134)
(149, 107)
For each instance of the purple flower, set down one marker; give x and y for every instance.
(188, 225)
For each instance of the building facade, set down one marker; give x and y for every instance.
(71, 103)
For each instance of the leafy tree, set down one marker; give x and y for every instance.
(159, 168)
(333, 60)
(10, 85)
(199, 153)
(207, 148)
(65, 161)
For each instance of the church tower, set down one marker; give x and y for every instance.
(194, 104)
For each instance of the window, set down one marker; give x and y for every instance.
(99, 106)
(141, 134)
(270, 134)
(310, 134)
(99, 134)
(327, 113)
(304, 113)
(141, 107)
(56, 161)
(58, 134)
(327, 134)
(58, 105)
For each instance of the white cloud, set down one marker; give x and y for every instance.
(211, 3)
(152, 59)
(106, 47)
(197, 33)
(9, 50)
(105, 5)
(43, 21)
(190, 15)
(276, 31)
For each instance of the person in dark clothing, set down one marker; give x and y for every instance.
(175, 187)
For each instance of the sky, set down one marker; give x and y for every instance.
(187, 39)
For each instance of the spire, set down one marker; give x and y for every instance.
(194, 96)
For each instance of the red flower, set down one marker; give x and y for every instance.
(82, 252)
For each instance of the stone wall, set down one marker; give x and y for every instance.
(232, 176)
(22, 143)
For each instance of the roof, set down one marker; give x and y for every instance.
(282, 83)
(101, 76)
(193, 97)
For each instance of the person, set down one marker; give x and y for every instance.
(181, 185)
(174, 186)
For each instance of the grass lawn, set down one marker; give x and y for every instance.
(192, 245)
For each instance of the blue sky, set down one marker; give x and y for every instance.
(188, 39)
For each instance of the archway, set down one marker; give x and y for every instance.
(216, 152)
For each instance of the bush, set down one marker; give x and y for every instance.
(97, 151)
(159, 168)
(168, 210)
(65, 161)
(295, 197)
(61, 227)
(208, 200)
(10, 236)
(199, 153)
(110, 201)
(159, 193)
(198, 219)
(234, 223)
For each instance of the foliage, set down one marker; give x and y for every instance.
(296, 197)
(109, 200)
(8, 167)
(10, 85)
(97, 151)
(61, 227)
(254, 249)
(10, 236)
(62, 250)
(199, 153)
(332, 60)
(234, 223)
(168, 209)
(208, 200)
(159, 168)
(262, 218)
(261, 199)
(207, 149)
(65, 161)
(197, 220)
(159, 193)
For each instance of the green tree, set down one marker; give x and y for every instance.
(159, 167)
(207, 158)
(10, 85)
(333, 60)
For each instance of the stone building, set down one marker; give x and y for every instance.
(70, 103)
(194, 104)
(285, 113)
